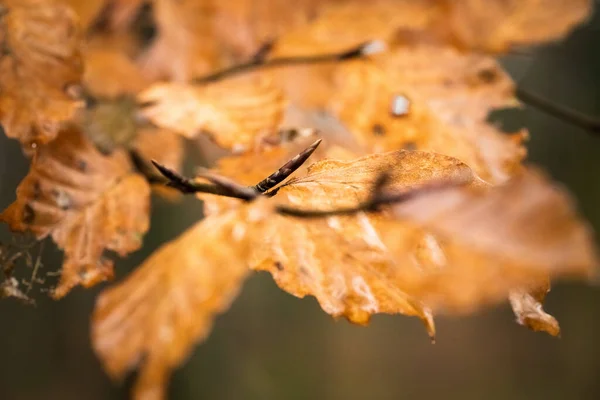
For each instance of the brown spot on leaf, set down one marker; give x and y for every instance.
(378, 130)
(28, 214)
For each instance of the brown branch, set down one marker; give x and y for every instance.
(259, 61)
(226, 187)
(218, 187)
(378, 200)
(574, 117)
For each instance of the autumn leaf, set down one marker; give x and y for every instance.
(40, 69)
(88, 202)
(236, 113)
(87, 10)
(185, 46)
(528, 309)
(110, 73)
(486, 239)
(426, 97)
(168, 304)
(351, 281)
(499, 25)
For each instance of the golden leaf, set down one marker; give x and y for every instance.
(489, 240)
(499, 25)
(86, 10)
(340, 260)
(40, 69)
(186, 45)
(528, 309)
(432, 98)
(88, 202)
(168, 304)
(110, 73)
(236, 113)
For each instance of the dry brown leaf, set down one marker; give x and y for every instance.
(110, 73)
(432, 98)
(341, 260)
(86, 10)
(486, 240)
(120, 13)
(186, 45)
(529, 312)
(168, 304)
(40, 69)
(499, 25)
(236, 113)
(453, 251)
(88, 202)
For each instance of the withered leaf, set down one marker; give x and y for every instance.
(340, 260)
(185, 46)
(88, 202)
(110, 73)
(499, 25)
(433, 98)
(527, 307)
(168, 304)
(485, 240)
(40, 69)
(86, 10)
(236, 113)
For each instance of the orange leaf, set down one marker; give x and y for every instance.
(110, 73)
(86, 10)
(499, 25)
(168, 304)
(40, 69)
(236, 113)
(432, 98)
(185, 46)
(528, 309)
(88, 202)
(490, 240)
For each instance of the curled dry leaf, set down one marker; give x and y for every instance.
(40, 69)
(168, 304)
(236, 113)
(89, 203)
(432, 98)
(528, 309)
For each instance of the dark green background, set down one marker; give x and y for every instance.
(273, 346)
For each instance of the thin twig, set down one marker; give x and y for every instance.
(574, 117)
(373, 204)
(226, 187)
(259, 61)
(188, 186)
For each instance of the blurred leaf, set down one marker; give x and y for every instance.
(89, 203)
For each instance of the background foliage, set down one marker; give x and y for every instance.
(273, 346)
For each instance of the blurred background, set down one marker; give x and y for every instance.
(271, 345)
